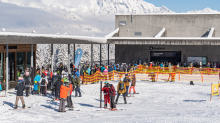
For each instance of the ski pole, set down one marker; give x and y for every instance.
(81, 91)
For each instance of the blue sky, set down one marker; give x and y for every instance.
(186, 5)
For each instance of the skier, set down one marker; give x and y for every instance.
(35, 87)
(20, 88)
(27, 81)
(77, 84)
(69, 100)
(53, 81)
(121, 89)
(133, 83)
(43, 85)
(105, 89)
(63, 97)
(57, 86)
(112, 94)
(126, 81)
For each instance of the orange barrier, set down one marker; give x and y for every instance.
(161, 74)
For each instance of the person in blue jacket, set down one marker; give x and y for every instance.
(35, 87)
(0, 87)
(88, 71)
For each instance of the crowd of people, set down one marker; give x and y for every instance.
(62, 83)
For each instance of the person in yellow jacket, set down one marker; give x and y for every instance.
(121, 89)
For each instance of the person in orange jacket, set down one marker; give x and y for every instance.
(106, 94)
(63, 97)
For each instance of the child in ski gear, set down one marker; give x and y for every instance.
(20, 88)
(57, 86)
(126, 81)
(106, 94)
(63, 97)
(43, 85)
(133, 83)
(77, 84)
(112, 94)
(35, 87)
(121, 89)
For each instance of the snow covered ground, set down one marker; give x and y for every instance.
(157, 102)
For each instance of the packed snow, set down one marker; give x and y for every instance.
(156, 102)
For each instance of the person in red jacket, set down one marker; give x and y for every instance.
(63, 97)
(106, 94)
(112, 94)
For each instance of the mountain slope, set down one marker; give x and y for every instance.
(206, 10)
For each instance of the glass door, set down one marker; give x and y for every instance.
(11, 66)
(20, 63)
(1, 67)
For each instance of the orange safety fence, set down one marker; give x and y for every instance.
(159, 74)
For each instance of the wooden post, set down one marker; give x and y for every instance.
(208, 71)
(113, 75)
(202, 77)
(100, 94)
(211, 93)
(157, 72)
(218, 91)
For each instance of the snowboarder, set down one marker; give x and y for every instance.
(105, 89)
(57, 86)
(121, 89)
(43, 84)
(63, 97)
(112, 94)
(27, 82)
(77, 84)
(126, 81)
(53, 81)
(133, 83)
(20, 88)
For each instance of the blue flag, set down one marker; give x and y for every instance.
(78, 57)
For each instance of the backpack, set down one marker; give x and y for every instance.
(43, 82)
(121, 86)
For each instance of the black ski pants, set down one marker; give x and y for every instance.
(57, 94)
(77, 90)
(69, 102)
(124, 95)
(112, 99)
(43, 90)
(27, 90)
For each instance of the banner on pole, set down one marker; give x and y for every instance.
(214, 89)
(78, 57)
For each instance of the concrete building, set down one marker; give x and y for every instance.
(167, 38)
(147, 37)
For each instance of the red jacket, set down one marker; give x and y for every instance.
(106, 90)
(112, 90)
(64, 91)
(71, 86)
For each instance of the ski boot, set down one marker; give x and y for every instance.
(16, 107)
(23, 106)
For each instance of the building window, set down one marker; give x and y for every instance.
(137, 33)
(122, 23)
